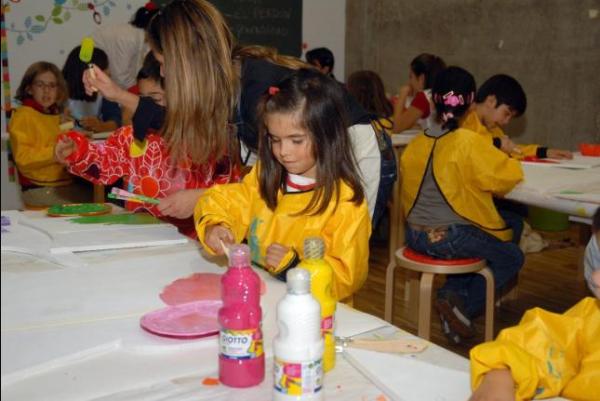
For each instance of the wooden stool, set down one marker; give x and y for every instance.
(428, 267)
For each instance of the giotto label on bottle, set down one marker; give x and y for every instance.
(241, 344)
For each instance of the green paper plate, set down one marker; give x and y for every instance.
(79, 209)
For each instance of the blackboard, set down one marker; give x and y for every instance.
(275, 23)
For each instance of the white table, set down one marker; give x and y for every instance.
(72, 333)
(544, 186)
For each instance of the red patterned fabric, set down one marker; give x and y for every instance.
(146, 167)
(420, 102)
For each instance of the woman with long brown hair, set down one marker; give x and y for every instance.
(208, 84)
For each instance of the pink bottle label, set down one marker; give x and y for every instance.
(241, 344)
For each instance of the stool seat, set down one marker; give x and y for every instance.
(419, 257)
(421, 288)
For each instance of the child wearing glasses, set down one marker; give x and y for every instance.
(33, 129)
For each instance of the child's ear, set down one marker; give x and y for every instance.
(491, 101)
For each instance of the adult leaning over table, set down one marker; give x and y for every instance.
(202, 76)
(193, 146)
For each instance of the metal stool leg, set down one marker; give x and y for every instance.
(425, 305)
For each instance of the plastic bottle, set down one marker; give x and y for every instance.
(321, 278)
(298, 347)
(241, 356)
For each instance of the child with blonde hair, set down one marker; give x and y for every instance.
(33, 129)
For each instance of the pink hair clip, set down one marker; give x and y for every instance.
(273, 90)
(450, 99)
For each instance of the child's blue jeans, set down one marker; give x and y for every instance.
(505, 259)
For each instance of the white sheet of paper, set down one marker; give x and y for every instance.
(436, 383)
(578, 162)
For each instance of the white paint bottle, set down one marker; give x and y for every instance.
(298, 347)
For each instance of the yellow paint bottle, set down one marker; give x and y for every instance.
(321, 279)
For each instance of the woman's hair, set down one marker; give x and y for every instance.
(143, 15)
(367, 87)
(39, 68)
(316, 101)
(73, 72)
(453, 93)
(270, 54)
(150, 69)
(428, 65)
(200, 81)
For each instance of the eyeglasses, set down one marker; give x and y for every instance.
(45, 85)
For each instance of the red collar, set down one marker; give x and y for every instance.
(299, 187)
(30, 102)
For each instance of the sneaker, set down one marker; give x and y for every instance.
(448, 332)
(449, 306)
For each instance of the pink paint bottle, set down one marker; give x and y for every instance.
(241, 356)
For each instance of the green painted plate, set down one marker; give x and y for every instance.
(79, 209)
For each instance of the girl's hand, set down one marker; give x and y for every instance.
(102, 83)
(63, 149)
(275, 254)
(559, 154)
(215, 234)
(180, 204)
(508, 146)
(497, 385)
(404, 92)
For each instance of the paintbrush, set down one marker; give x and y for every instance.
(224, 248)
(86, 53)
(395, 345)
(128, 195)
(125, 198)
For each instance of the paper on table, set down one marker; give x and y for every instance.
(578, 162)
(410, 379)
(591, 195)
(538, 179)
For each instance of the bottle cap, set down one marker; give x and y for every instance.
(239, 255)
(298, 281)
(314, 248)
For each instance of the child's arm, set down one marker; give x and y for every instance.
(102, 163)
(346, 237)
(229, 206)
(544, 352)
(493, 170)
(405, 118)
(497, 385)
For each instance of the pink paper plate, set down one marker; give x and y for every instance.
(189, 320)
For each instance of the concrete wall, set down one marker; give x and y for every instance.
(551, 46)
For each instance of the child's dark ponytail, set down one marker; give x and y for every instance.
(452, 93)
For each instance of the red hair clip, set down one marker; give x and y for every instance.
(150, 6)
(273, 90)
